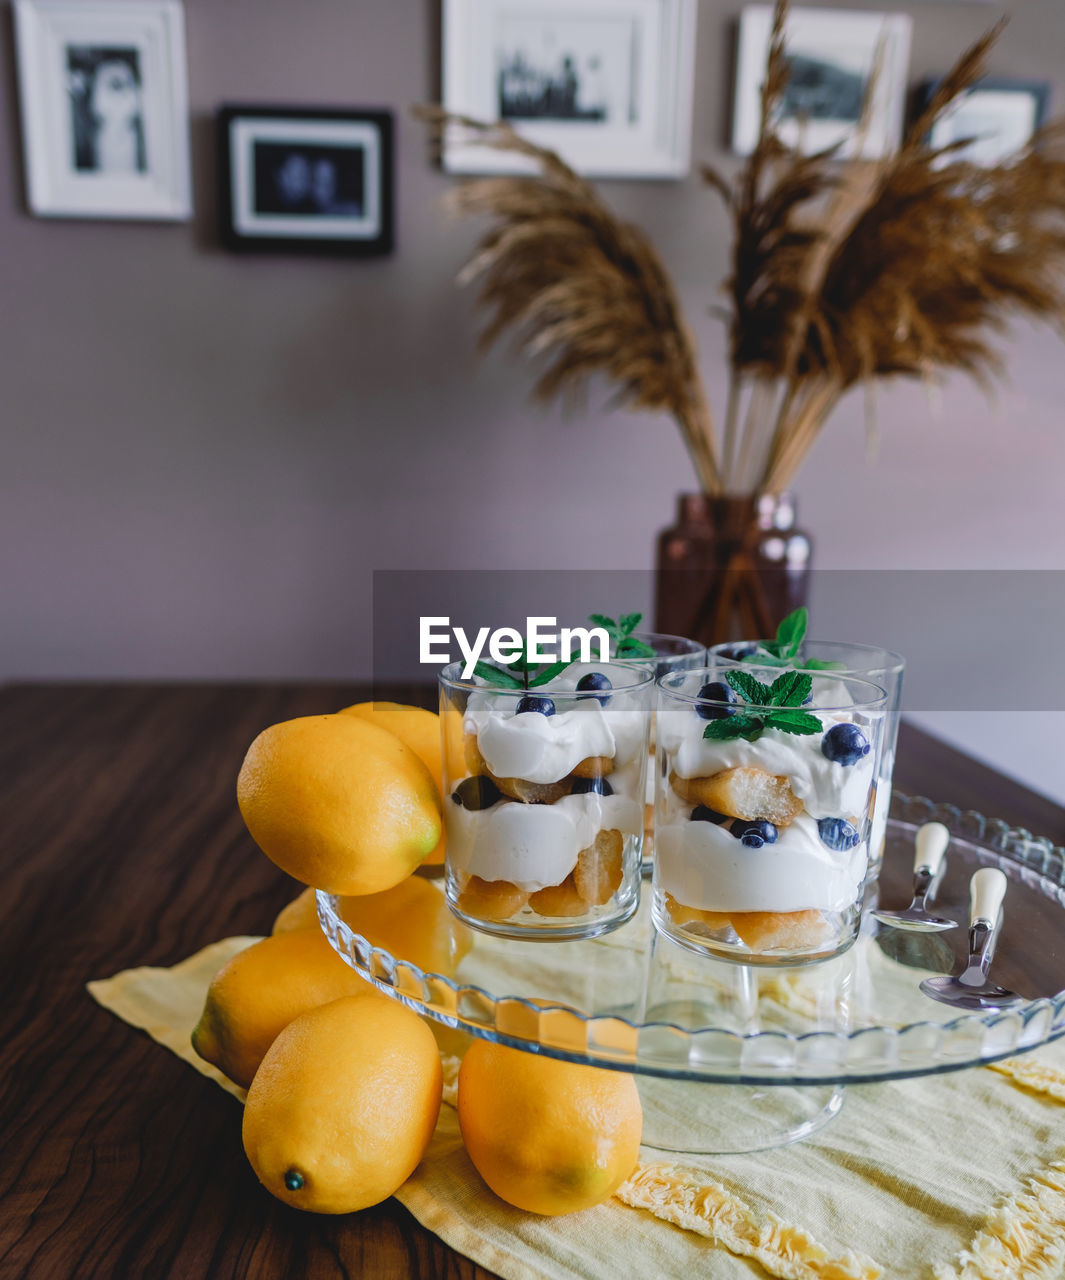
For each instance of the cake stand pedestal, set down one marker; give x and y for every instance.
(732, 1058)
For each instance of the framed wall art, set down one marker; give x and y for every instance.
(997, 117)
(606, 83)
(104, 98)
(306, 180)
(833, 54)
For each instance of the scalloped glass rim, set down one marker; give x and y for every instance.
(711, 1054)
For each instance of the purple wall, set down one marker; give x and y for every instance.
(204, 457)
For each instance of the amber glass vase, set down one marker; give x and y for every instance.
(730, 568)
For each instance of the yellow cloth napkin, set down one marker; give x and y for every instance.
(956, 1177)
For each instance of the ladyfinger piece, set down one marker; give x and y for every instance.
(594, 767)
(743, 792)
(491, 899)
(759, 930)
(681, 914)
(532, 792)
(475, 762)
(598, 872)
(766, 930)
(559, 899)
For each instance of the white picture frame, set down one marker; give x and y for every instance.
(999, 117)
(103, 90)
(834, 52)
(605, 83)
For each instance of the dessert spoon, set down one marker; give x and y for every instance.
(972, 989)
(928, 867)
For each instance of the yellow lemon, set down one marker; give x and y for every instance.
(339, 803)
(256, 995)
(547, 1136)
(300, 913)
(420, 730)
(411, 921)
(344, 1104)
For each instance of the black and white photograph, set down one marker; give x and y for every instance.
(302, 180)
(104, 108)
(107, 109)
(314, 180)
(567, 69)
(841, 65)
(821, 88)
(995, 120)
(606, 83)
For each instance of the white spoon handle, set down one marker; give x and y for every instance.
(987, 889)
(932, 840)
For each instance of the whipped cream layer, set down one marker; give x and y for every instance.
(705, 866)
(545, 749)
(534, 845)
(826, 788)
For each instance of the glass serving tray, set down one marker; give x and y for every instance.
(634, 1001)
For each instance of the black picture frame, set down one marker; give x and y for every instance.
(1036, 92)
(319, 201)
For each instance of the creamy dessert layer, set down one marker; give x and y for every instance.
(705, 866)
(535, 845)
(765, 827)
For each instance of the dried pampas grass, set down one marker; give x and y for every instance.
(583, 291)
(842, 272)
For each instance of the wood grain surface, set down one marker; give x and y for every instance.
(925, 766)
(123, 845)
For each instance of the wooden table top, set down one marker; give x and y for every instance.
(123, 846)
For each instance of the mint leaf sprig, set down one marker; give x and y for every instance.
(787, 692)
(783, 651)
(519, 673)
(624, 643)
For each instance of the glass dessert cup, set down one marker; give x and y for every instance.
(672, 653)
(868, 662)
(546, 793)
(763, 811)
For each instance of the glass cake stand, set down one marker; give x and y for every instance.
(773, 1048)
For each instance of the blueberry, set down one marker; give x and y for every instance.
(754, 834)
(595, 680)
(838, 834)
(703, 813)
(719, 691)
(591, 786)
(845, 744)
(533, 702)
(476, 793)
(740, 651)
